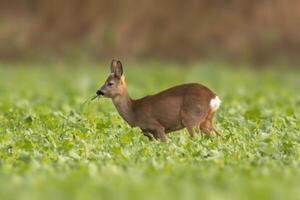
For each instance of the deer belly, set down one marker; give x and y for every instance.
(169, 118)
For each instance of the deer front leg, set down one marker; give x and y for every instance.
(160, 133)
(148, 135)
(154, 130)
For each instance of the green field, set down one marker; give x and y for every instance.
(53, 147)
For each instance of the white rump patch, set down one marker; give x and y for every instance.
(215, 103)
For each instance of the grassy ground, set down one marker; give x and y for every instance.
(52, 147)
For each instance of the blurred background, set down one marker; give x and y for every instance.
(259, 31)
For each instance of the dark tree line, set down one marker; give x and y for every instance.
(260, 30)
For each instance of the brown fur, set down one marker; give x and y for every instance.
(182, 106)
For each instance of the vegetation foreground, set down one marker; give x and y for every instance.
(54, 147)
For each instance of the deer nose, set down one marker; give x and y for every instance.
(99, 92)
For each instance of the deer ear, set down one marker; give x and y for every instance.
(119, 69)
(113, 66)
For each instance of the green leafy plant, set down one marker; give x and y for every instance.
(53, 146)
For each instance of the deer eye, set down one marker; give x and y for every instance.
(110, 84)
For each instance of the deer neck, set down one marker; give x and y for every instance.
(124, 105)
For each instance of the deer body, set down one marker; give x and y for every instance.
(184, 106)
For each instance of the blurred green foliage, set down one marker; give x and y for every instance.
(53, 147)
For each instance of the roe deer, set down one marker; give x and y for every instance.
(184, 106)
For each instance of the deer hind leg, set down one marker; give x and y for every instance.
(207, 125)
(190, 130)
(191, 123)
